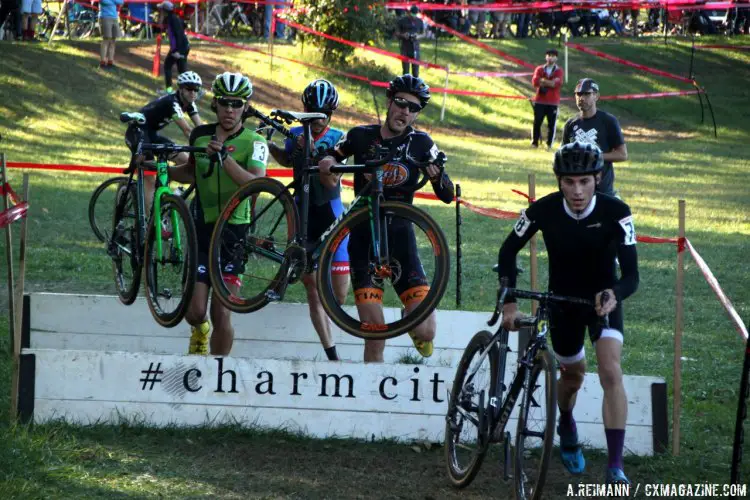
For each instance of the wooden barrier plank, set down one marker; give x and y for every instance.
(243, 348)
(387, 400)
(276, 322)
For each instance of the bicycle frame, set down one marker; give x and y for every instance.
(371, 194)
(162, 188)
(162, 152)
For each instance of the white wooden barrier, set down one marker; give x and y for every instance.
(69, 371)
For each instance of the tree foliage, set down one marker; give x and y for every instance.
(356, 20)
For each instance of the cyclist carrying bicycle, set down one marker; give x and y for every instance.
(584, 233)
(161, 112)
(244, 156)
(319, 96)
(407, 97)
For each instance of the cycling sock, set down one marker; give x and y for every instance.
(567, 421)
(203, 327)
(331, 353)
(615, 444)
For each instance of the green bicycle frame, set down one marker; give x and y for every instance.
(162, 188)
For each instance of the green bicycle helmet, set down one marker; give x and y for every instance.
(232, 85)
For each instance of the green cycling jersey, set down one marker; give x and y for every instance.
(248, 149)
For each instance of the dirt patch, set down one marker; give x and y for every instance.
(210, 60)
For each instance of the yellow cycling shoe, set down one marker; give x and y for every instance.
(423, 347)
(199, 339)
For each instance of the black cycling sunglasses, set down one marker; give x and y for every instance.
(230, 103)
(194, 88)
(403, 103)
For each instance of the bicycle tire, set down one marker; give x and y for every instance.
(119, 181)
(172, 207)
(253, 243)
(543, 365)
(461, 475)
(440, 273)
(125, 250)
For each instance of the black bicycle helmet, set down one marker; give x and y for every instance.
(411, 85)
(320, 97)
(578, 158)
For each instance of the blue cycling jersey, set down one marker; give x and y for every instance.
(319, 194)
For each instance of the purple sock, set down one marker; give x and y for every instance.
(566, 420)
(615, 444)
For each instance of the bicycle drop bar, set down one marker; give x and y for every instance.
(171, 148)
(367, 167)
(251, 111)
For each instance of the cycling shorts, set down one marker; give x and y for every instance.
(233, 236)
(151, 136)
(410, 282)
(568, 325)
(319, 219)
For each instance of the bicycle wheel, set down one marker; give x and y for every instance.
(535, 431)
(416, 245)
(252, 238)
(170, 276)
(102, 206)
(467, 432)
(123, 246)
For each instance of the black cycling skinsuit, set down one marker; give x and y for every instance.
(582, 249)
(401, 175)
(159, 113)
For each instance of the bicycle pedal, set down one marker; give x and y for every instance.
(273, 296)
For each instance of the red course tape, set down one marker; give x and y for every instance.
(625, 62)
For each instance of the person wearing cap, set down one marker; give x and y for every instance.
(593, 126)
(179, 48)
(547, 81)
(409, 30)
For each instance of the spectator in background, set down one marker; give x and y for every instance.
(499, 23)
(269, 19)
(409, 30)
(477, 17)
(109, 25)
(179, 48)
(592, 126)
(547, 80)
(30, 11)
(9, 10)
(522, 27)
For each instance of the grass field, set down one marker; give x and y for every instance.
(55, 107)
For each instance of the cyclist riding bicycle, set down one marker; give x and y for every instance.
(244, 155)
(319, 96)
(161, 112)
(584, 232)
(407, 96)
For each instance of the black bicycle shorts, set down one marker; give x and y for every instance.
(568, 325)
(233, 237)
(411, 284)
(319, 219)
(150, 136)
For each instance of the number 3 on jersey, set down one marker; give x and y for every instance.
(629, 229)
(260, 152)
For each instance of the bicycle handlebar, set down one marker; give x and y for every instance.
(170, 148)
(543, 298)
(251, 111)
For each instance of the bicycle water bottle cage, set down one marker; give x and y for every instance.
(133, 118)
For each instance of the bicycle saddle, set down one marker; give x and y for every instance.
(291, 116)
(133, 118)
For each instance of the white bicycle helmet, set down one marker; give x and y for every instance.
(189, 78)
(232, 85)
